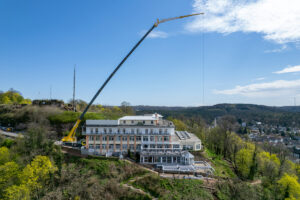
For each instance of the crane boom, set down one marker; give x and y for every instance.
(71, 136)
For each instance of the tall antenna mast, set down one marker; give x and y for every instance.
(50, 92)
(74, 84)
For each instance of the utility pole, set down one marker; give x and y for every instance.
(74, 84)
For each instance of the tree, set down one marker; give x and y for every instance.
(289, 186)
(8, 175)
(268, 165)
(4, 155)
(244, 162)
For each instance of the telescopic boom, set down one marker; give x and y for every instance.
(71, 136)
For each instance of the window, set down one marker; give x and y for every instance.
(91, 138)
(146, 131)
(132, 131)
(151, 130)
(159, 146)
(138, 138)
(97, 138)
(176, 146)
(131, 138)
(105, 130)
(124, 146)
(132, 122)
(104, 138)
(110, 130)
(145, 138)
(151, 122)
(124, 138)
(118, 146)
(160, 131)
(169, 159)
(138, 147)
(151, 138)
(103, 146)
(111, 138)
(159, 138)
(124, 122)
(164, 159)
(166, 138)
(145, 146)
(91, 146)
(97, 146)
(143, 122)
(198, 146)
(124, 131)
(131, 147)
(111, 146)
(167, 146)
(166, 130)
(118, 130)
(137, 130)
(97, 130)
(119, 138)
(152, 146)
(92, 130)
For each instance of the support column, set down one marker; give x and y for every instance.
(121, 143)
(135, 144)
(114, 143)
(87, 142)
(107, 141)
(101, 144)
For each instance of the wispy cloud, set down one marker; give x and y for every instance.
(266, 89)
(277, 20)
(290, 69)
(156, 34)
(277, 50)
(260, 78)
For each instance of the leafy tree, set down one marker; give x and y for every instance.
(244, 162)
(289, 186)
(17, 192)
(4, 155)
(8, 175)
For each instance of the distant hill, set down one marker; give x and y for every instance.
(286, 115)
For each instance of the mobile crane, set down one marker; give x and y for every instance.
(70, 138)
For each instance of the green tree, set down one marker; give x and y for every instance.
(4, 155)
(8, 175)
(289, 186)
(244, 162)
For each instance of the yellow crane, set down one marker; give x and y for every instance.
(70, 138)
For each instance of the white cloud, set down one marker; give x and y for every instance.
(266, 89)
(156, 34)
(260, 78)
(289, 70)
(282, 48)
(277, 20)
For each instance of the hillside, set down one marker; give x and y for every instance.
(289, 115)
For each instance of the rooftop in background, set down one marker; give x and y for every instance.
(142, 117)
(139, 120)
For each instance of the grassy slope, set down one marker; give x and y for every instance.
(221, 166)
(163, 188)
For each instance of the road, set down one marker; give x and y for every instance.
(10, 134)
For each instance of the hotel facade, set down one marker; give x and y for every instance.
(153, 137)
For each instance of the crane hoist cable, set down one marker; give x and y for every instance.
(71, 136)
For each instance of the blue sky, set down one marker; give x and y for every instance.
(248, 51)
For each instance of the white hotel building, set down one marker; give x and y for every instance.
(150, 135)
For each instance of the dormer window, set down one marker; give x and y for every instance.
(152, 122)
(132, 122)
(124, 122)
